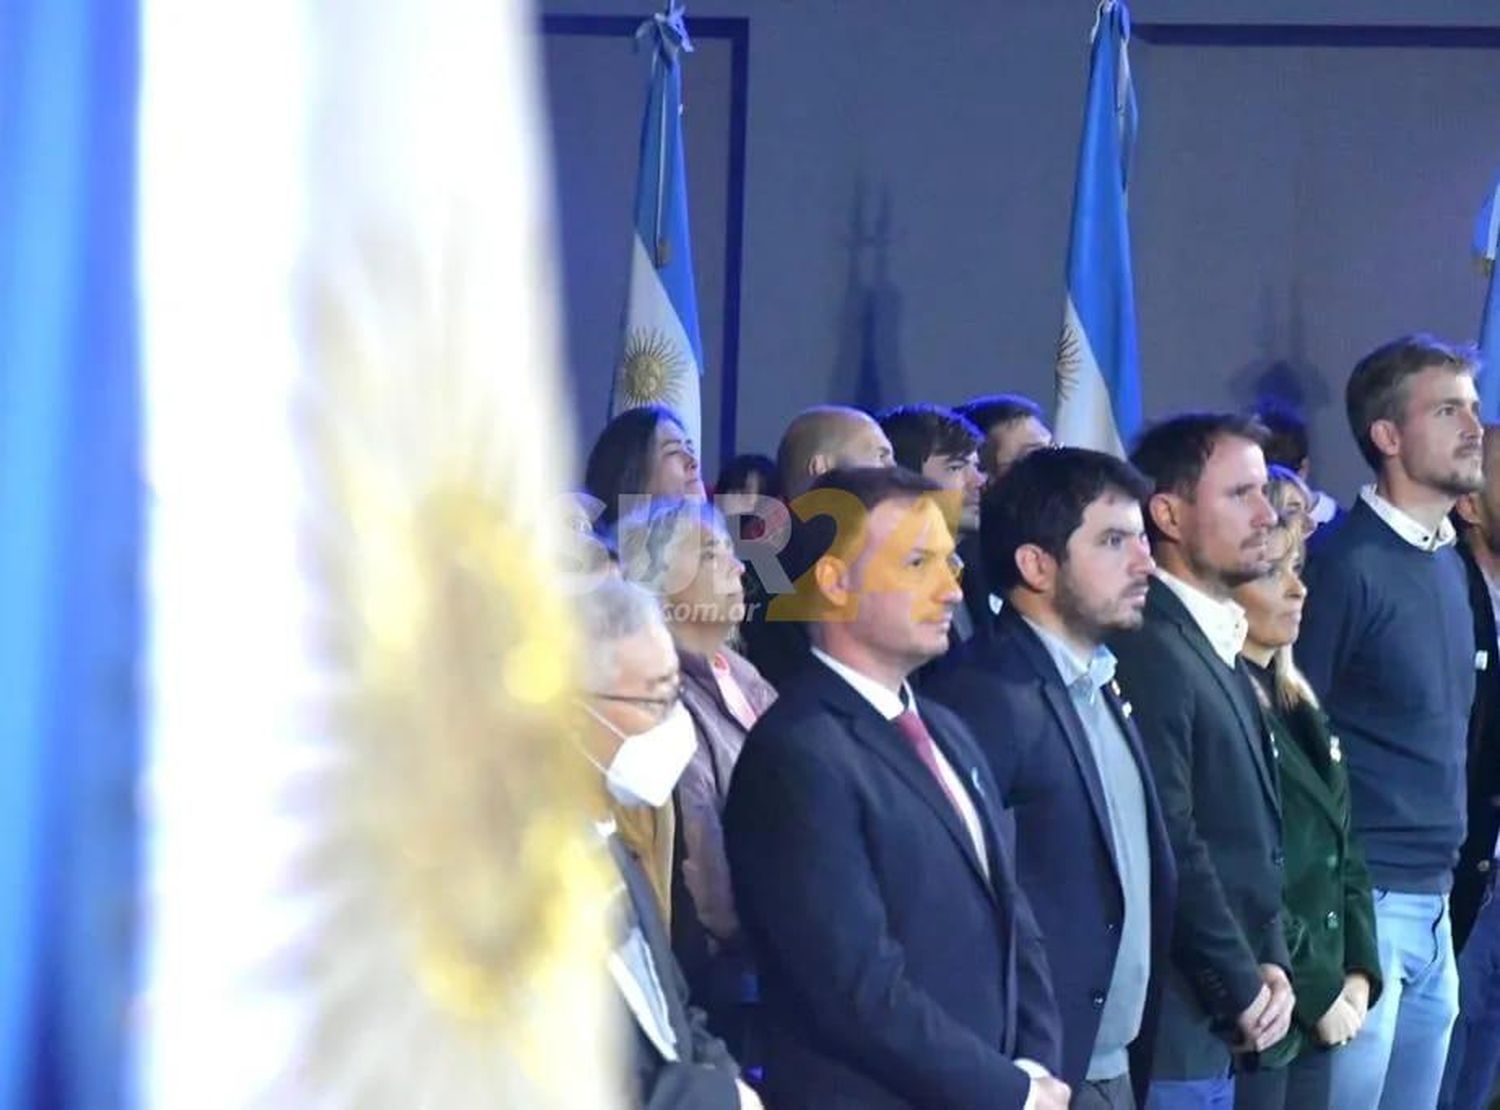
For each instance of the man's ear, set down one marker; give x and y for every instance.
(1166, 511)
(1386, 436)
(1038, 569)
(832, 580)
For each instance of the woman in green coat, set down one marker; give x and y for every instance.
(1328, 912)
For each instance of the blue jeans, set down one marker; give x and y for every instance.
(1396, 1062)
(1475, 1052)
(1191, 1094)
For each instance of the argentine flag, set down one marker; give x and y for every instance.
(661, 357)
(1098, 362)
(1486, 233)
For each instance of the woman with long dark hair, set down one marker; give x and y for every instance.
(642, 452)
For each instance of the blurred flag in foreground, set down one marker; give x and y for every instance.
(372, 883)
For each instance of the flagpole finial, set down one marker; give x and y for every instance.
(669, 28)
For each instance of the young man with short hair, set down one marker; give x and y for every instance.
(1387, 641)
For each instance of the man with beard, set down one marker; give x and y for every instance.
(1225, 989)
(943, 447)
(1388, 644)
(1063, 537)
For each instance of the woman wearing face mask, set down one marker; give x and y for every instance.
(1330, 918)
(681, 552)
(642, 452)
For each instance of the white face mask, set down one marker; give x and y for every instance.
(647, 765)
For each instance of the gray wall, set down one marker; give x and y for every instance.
(910, 179)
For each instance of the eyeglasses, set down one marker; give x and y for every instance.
(662, 706)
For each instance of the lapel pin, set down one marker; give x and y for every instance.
(974, 778)
(1126, 709)
(1335, 750)
(1114, 687)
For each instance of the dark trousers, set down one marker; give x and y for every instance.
(1474, 1051)
(1301, 1085)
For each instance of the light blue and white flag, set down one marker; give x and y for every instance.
(661, 358)
(1098, 360)
(1486, 233)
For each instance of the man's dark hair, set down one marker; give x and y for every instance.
(1286, 435)
(621, 460)
(918, 432)
(998, 408)
(1171, 454)
(993, 411)
(1377, 388)
(869, 487)
(1042, 499)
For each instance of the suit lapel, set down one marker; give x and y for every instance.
(1061, 703)
(886, 741)
(1251, 723)
(1056, 695)
(1305, 768)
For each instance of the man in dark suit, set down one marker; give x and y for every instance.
(1064, 538)
(1226, 992)
(1474, 1051)
(901, 966)
(638, 737)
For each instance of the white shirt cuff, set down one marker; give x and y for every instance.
(1036, 1071)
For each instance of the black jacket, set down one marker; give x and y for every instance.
(1009, 693)
(1216, 779)
(703, 1076)
(1475, 861)
(894, 974)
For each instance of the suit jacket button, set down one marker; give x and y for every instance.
(1098, 1000)
(1333, 863)
(1332, 920)
(1111, 926)
(1483, 866)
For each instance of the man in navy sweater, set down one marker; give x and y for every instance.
(1387, 642)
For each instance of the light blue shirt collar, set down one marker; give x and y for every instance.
(1082, 677)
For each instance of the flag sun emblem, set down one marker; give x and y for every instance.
(1069, 360)
(651, 368)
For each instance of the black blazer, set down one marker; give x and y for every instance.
(1216, 778)
(1009, 693)
(1472, 875)
(703, 1076)
(894, 974)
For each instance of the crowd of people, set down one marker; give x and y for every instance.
(944, 767)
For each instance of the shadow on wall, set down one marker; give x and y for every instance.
(867, 369)
(1281, 374)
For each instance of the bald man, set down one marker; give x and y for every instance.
(819, 439)
(827, 437)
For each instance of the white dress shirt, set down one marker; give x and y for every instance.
(1221, 621)
(890, 706)
(1410, 530)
